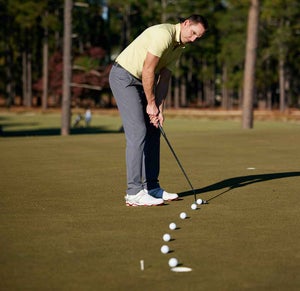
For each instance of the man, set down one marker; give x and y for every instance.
(139, 80)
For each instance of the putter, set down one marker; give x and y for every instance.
(178, 162)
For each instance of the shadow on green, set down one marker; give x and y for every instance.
(56, 131)
(237, 182)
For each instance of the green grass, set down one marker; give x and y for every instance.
(64, 224)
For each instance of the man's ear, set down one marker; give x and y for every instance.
(186, 23)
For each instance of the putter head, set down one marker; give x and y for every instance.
(203, 201)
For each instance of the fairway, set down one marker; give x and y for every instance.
(64, 224)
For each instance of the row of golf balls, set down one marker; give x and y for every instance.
(173, 262)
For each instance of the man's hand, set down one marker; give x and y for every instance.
(152, 109)
(156, 119)
(160, 119)
(153, 113)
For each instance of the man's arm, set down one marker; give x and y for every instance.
(162, 87)
(148, 80)
(155, 93)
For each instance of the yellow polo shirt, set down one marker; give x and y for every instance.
(162, 40)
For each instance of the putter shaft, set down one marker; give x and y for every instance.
(178, 162)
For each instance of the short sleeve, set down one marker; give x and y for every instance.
(161, 41)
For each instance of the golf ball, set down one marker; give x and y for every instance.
(194, 206)
(173, 262)
(172, 225)
(166, 237)
(164, 249)
(199, 201)
(183, 215)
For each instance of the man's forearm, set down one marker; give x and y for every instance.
(148, 80)
(148, 77)
(161, 92)
(162, 88)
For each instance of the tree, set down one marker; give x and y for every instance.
(66, 102)
(6, 54)
(49, 25)
(250, 61)
(45, 65)
(280, 19)
(230, 40)
(212, 68)
(26, 14)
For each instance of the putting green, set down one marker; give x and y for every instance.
(64, 224)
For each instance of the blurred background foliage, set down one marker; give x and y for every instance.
(209, 75)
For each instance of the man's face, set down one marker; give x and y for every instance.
(191, 31)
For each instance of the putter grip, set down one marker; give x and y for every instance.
(161, 130)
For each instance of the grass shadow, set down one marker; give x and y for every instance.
(56, 131)
(237, 182)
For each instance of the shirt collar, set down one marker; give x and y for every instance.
(177, 35)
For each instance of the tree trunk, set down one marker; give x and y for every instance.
(9, 78)
(250, 61)
(183, 99)
(212, 92)
(66, 102)
(57, 38)
(164, 4)
(126, 26)
(176, 93)
(29, 80)
(199, 94)
(287, 88)
(240, 101)
(282, 98)
(209, 90)
(168, 102)
(208, 93)
(189, 84)
(225, 93)
(24, 78)
(45, 69)
(269, 99)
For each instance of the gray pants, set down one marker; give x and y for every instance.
(142, 138)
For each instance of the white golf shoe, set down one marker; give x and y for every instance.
(142, 199)
(161, 193)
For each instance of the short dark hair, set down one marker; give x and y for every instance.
(197, 18)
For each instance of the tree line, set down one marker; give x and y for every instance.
(210, 74)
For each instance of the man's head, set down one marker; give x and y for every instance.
(193, 28)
